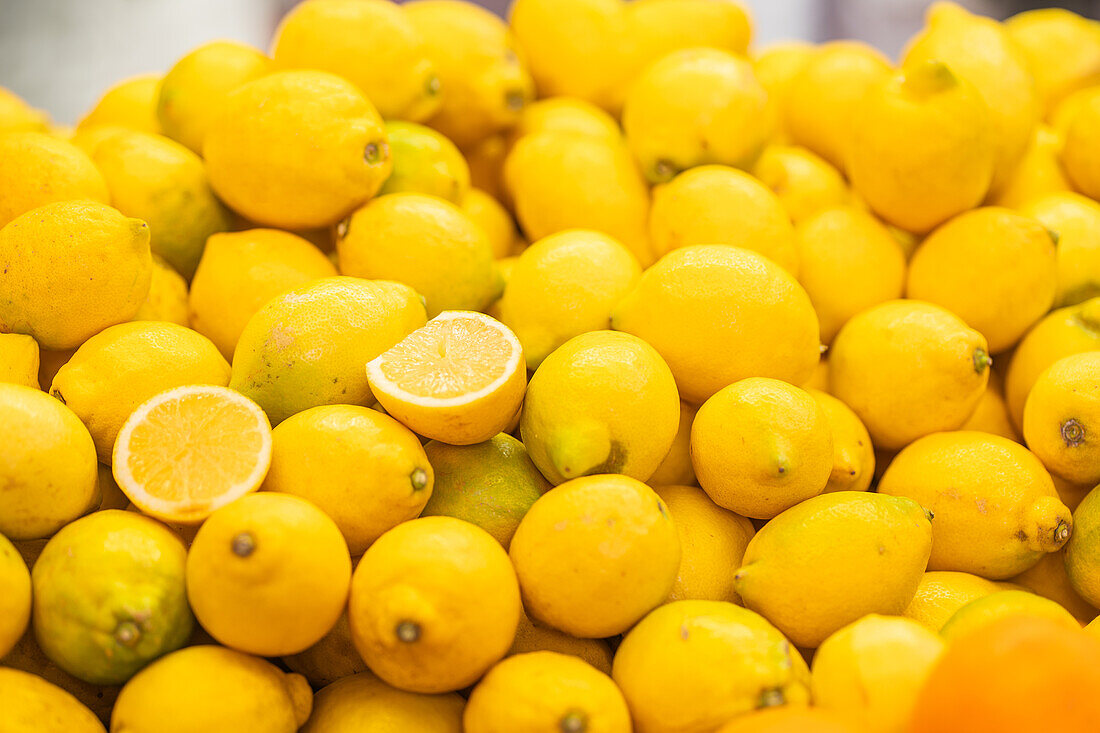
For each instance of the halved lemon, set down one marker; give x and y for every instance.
(459, 379)
(190, 450)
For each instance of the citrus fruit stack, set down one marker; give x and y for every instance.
(591, 370)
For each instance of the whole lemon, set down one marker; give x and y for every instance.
(833, 559)
(747, 317)
(942, 592)
(1076, 219)
(1062, 418)
(167, 298)
(19, 359)
(603, 402)
(425, 161)
(944, 365)
(15, 598)
(296, 149)
(37, 169)
(122, 366)
(364, 703)
(364, 469)
(987, 610)
(29, 703)
(693, 665)
(434, 604)
(49, 470)
(70, 269)
(595, 554)
(1083, 550)
(131, 103)
(853, 453)
(804, 182)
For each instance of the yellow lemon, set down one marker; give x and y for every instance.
(495, 220)
(486, 161)
(49, 469)
(37, 169)
(241, 271)
(534, 637)
(995, 508)
(188, 451)
(747, 317)
(776, 67)
(696, 106)
(784, 454)
(991, 414)
(848, 262)
(185, 692)
(712, 543)
(982, 612)
(167, 298)
(308, 346)
(1039, 172)
(424, 161)
(873, 669)
(1062, 50)
(296, 149)
(123, 366)
(833, 559)
(491, 484)
(70, 269)
(18, 116)
(193, 90)
(484, 77)
(565, 285)
(19, 359)
(365, 703)
(995, 269)
(693, 665)
(943, 364)
(371, 43)
(1049, 578)
(595, 554)
(804, 182)
(566, 114)
(676, 468)
(131, 103)
(822, 98)
(29, 703)
(603, 402)
(1062, 418)
(921, 147)
(719, 205)
(363, 469)
(1083, 551)
(1080, 152)
(942, 592)
(425, 242)
(15, 596)
(1076, 219)
(109, 596)
(853, 453)
(545, 691)
(332, 658)
(434, 604)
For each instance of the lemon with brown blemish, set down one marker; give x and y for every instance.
(1062, 418)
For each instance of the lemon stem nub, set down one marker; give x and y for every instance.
(771, 698)
(408, 631)
(127, 633)
(928, 78)
(432, 86)
(514, 100)
(375, 153)
(574, 722)
(243, 544)
(1073, 432)
(981, 360)
(419, 479)
(1061, 533)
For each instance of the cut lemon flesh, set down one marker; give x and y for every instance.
(190, 450)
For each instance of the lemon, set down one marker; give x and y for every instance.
(109, 596)
(19, 359)
(995, 269)
(676, 468)
(308, 346)
(424, 161)
(15, 598)
(70, 269)
(1062, 418)
(873, 669)
(1062, 50)
(603, 402)
(943, 364)
(595, 554)
(362, 468)
(987, 610)
(804, 182)
(194, 89)
(484, 76)
(784, 454)
(544, 691)
(164, 184)
(980, 50)
(188, 451)
(696, 106)
(296, 149)
(1049, 578)
(719, 205)
(1038, 173)
(167, 298)
(434, 604)
(332, 658)
(712, 543)
(942, 592)
(1082, 554)
(486, 161)
(490, 484)
(1076, 219)
(1080, 151)
(693, 665)
(18, 116)
(789, 718)
(849, 262)
(833, 559)
(29, 703)
(991, 414)
(822, 98)
(747, 317)
(564, 285)
(185, 692)
(122, 366)
(426, 243)
(49, 470)
(131, 103)
(776, 67)
(494, 220)
(37, 169)
(363, 702)
(853, 453)
(566, 114)
(921, 147)
(1093, 627)
(535, 637)
(996, 510)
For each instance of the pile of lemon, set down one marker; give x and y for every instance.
(583, 372)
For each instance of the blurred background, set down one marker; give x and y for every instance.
(61, 54)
